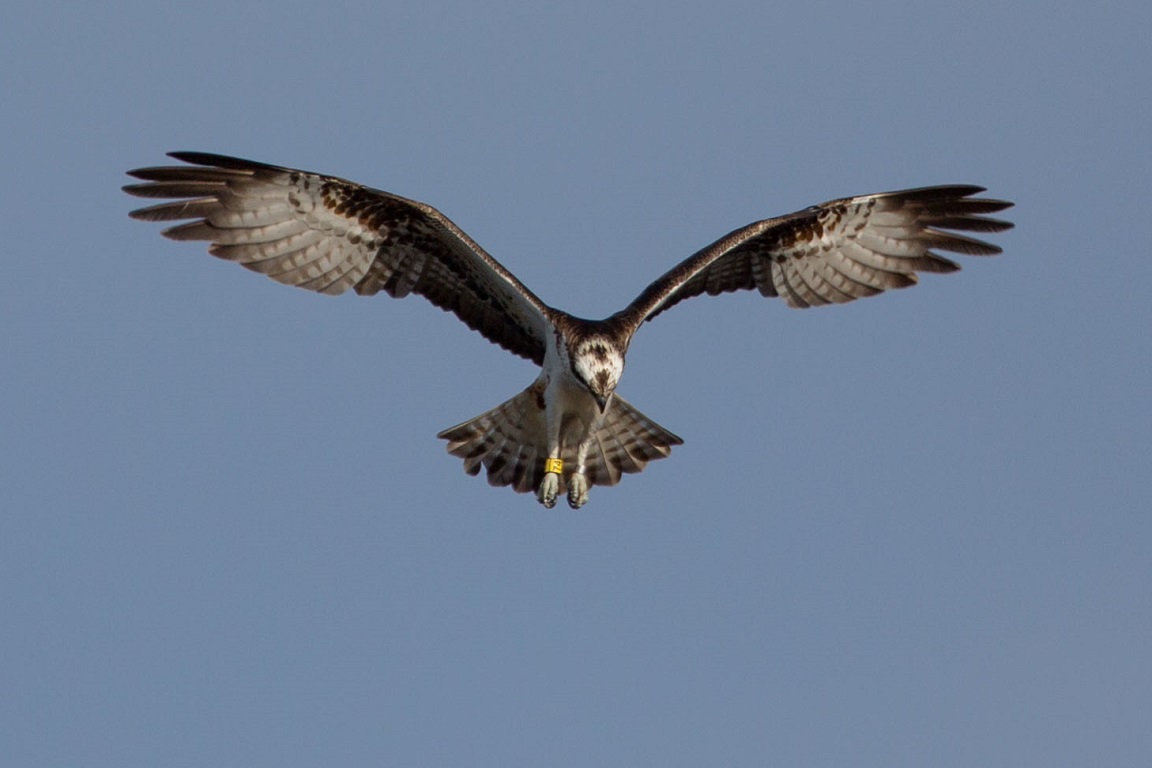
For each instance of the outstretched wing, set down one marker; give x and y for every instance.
(835, 252)
(328, 235)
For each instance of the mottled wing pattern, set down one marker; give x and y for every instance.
(510, 442)
(327, 234)
(835, 252)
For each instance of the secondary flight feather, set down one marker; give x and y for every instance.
(569, 430)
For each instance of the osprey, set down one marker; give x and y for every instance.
(569, 430)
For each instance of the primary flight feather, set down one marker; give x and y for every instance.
(569, 430)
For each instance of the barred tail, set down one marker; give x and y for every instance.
(511, 442)
(625, 442)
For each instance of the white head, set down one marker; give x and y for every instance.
(598, 363)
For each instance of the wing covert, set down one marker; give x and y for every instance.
(835, 252)
(327, 234)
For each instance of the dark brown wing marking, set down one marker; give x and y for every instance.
(327, 235)
(832, 253)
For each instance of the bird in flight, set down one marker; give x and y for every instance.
(569, 430)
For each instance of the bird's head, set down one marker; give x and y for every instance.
(597, 363)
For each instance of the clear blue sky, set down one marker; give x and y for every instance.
(913, 531)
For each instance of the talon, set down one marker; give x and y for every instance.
(577, 490)
(549, 487)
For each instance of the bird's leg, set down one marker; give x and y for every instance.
(550, 485)
(577, 481)
(553, 466)
(577, 489)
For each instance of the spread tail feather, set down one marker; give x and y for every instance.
(511, 442)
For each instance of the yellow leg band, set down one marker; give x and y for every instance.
(554, 465)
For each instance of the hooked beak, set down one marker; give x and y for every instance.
(602, 401)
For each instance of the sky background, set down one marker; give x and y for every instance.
(912, 531)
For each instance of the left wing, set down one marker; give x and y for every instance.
(327, 234)
(834, 252)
